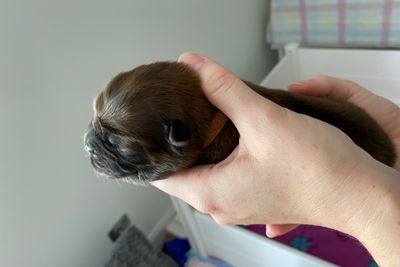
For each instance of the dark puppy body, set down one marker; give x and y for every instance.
(153, 121)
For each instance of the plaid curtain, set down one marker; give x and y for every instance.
(358, 23)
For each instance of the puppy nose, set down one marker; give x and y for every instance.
(89, 149)
(92, 152)
(88, 142)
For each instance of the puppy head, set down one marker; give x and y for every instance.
(148, 123)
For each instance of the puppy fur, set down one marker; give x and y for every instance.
(152, 121)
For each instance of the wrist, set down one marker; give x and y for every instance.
(348, 198)
(380, 227)
(359, 199)
(371, 211)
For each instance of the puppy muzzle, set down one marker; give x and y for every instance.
(105, 159)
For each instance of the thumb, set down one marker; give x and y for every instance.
(228, 93)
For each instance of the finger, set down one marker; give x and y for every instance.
(228, 93)
(190, 185)
(326, 86)
(198, 185)
(274, 230)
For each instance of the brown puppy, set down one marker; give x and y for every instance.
(154, 120)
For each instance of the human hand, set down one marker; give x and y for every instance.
(385, 112)
(282, 155)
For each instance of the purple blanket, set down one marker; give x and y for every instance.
(327, 244)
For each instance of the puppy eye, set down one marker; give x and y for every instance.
(177, 133)
(111, 139)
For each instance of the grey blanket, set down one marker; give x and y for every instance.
(133, 249)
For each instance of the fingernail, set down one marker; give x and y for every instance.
(302, 82)
(193, 60)
(268, 232)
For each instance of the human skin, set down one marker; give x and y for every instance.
(290, 169)
(385, 112)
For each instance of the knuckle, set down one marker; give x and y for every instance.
(353, 88)
(206, 207)
(220, 81)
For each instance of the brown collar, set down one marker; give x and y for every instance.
(217, 124)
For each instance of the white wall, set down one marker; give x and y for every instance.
(54, 57)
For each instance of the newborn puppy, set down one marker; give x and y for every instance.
(155, 120)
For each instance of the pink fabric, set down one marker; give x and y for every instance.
(342, 21)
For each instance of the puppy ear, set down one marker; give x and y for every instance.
(177, 133)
